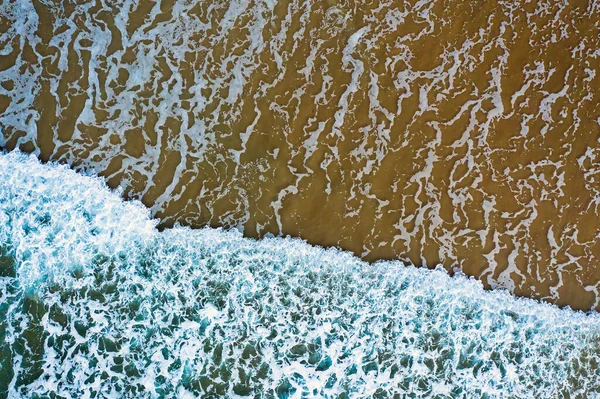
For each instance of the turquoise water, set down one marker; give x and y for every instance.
(95, 302)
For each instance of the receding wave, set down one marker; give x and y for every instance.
(96, 302)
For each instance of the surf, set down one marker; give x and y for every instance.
(96, 302)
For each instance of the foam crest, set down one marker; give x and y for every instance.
(95, 302)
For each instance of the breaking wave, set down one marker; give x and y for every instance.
(95, 302)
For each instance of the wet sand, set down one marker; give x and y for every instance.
(458, 133)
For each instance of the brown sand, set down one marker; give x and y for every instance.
(460, 133)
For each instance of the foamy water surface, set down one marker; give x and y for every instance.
(96, 302)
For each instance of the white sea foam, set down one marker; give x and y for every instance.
(95, 302)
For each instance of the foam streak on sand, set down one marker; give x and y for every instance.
(95, 302)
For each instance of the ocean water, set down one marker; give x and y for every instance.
(96, 302)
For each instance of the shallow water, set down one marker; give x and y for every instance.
(454, 132)
(96, 302)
